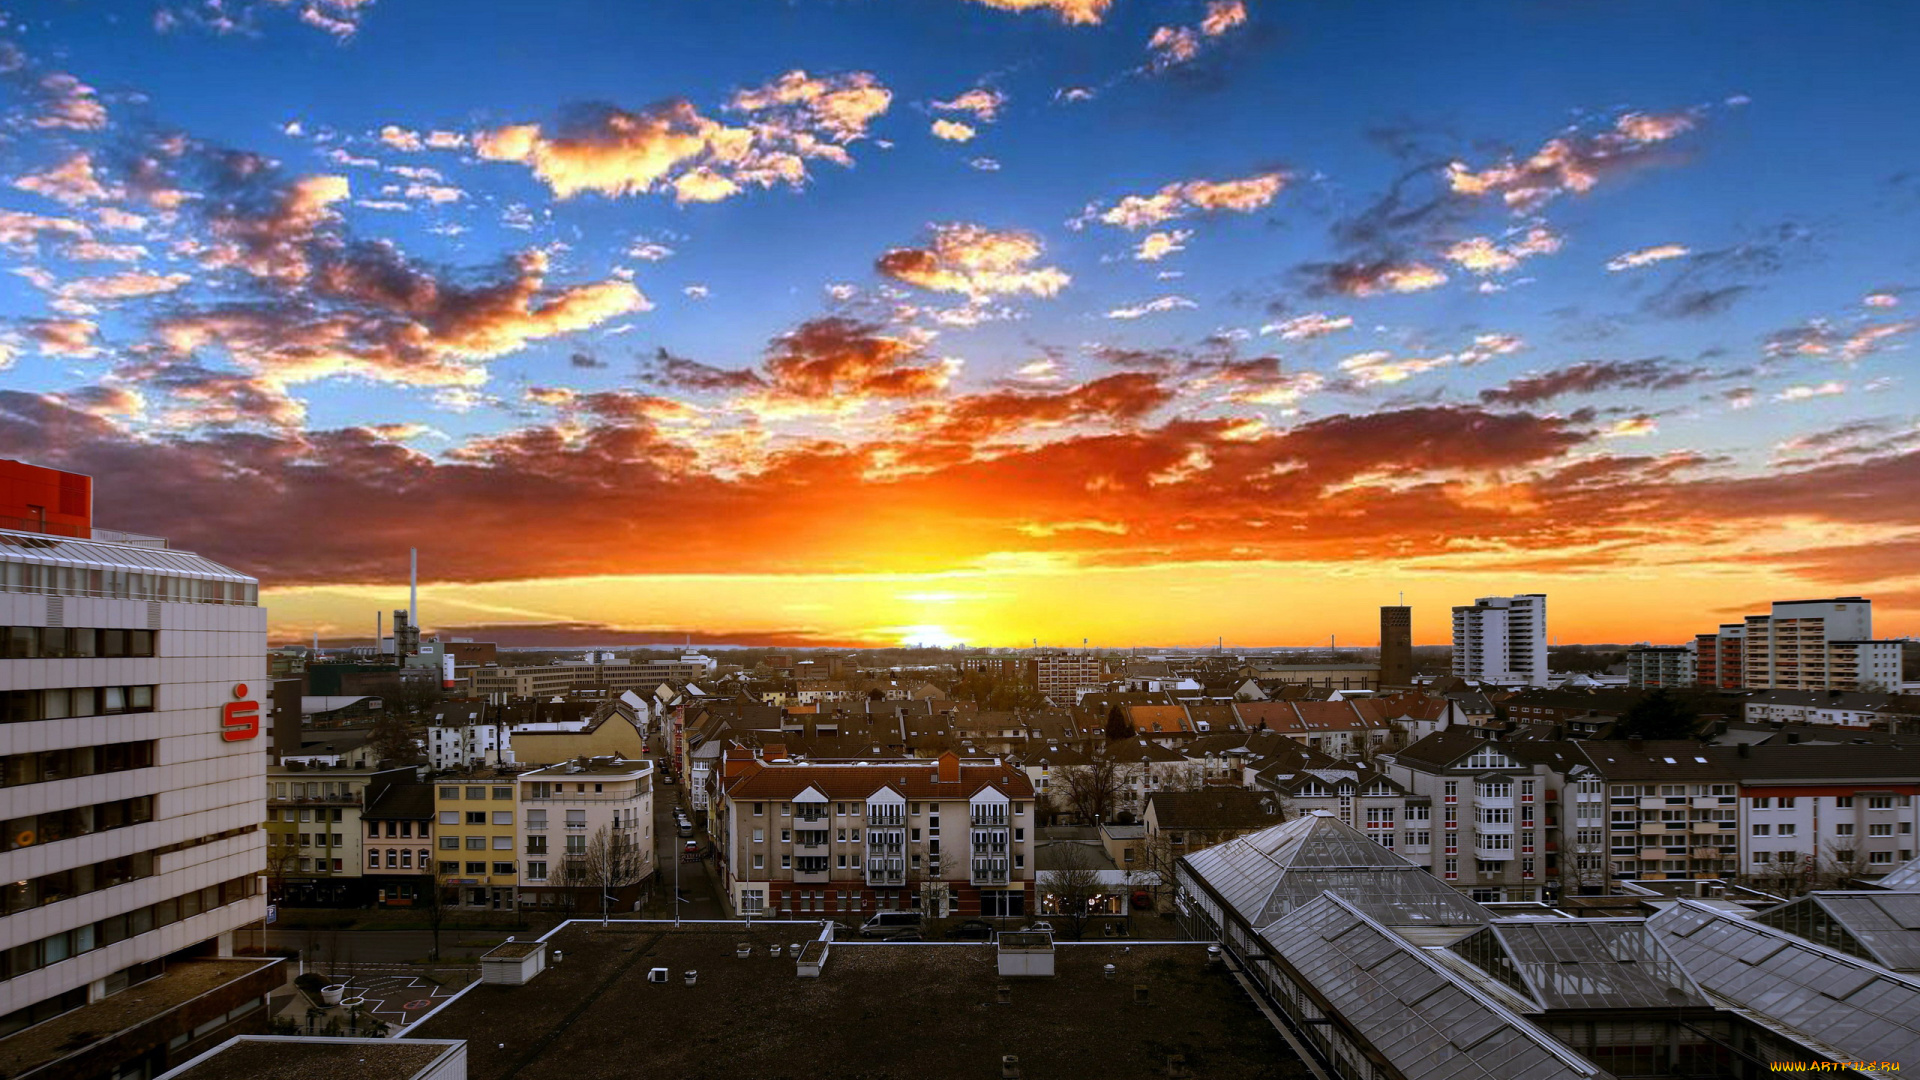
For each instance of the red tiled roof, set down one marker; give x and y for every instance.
(1148, 719)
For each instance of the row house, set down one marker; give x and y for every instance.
(398, 843)
(1483, 816)
(858, 838)
(1838, 708)
(314, 832)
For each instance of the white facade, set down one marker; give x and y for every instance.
(180, 835)
(458, 746)
(1502, 639)
(562, 810)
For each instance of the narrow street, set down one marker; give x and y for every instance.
(695, 880)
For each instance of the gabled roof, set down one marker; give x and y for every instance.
(1424, 1020)
(1582, 964)
(1220, 808)
(1875, 925)
(913, 779)
(1150, 719)
(1846, 1008)
(1264, 875)
(1905, 877)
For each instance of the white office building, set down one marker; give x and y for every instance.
(133, 679)
(1502, 640)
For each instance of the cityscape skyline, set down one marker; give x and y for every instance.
(860, 324)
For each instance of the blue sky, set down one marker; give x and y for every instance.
(1759, 159)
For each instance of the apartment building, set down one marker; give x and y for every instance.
(537, 680)
(1672, 809)
(1719, 658)
(1818, 645)
(1061, 677)
(586, 828)
(1483, 815)
(1654, 667)
(850, 840)
(1502, 639)
(476, 835)
(1824, 814)
(461, 734)
(314, 832)
(131, 680)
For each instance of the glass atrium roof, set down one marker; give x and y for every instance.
(1851, 1009)
(1905, 877)
(1582, 964)
(1883, 927)
(95, 555)
(1427, 1022)
(1264, 875)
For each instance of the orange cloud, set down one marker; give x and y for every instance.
(670, 146)
(1136, 212)
(72, 182)
(952, 130)
(1075, 12)
(982, 103)
(1158, 245)
(1567, 164)
(1480, 255)
(63, 337)
(70, 104)
(977, 262)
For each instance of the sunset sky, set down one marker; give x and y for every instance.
(985, 321)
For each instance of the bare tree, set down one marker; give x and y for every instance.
(1091, 792)
(436, 914)
(1073, 888)
(612, 860)
(1587, 861)
(1840, 866)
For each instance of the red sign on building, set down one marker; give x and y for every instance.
(240, 719)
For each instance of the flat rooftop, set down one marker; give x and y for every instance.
(256, 1058)
(77, 1029)
(922, 1010)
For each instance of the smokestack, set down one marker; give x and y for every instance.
(379, 633)
(413, 586)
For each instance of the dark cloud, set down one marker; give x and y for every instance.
(586, 360)
(1593, 376)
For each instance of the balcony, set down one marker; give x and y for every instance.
(811, 871)
(886, 872)
(988, 872)
(1492, 854)
(989, 816)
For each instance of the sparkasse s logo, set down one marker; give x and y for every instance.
(240, 719)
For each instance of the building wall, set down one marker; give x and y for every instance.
(492, 842)
(201, 785)
(616, 738)
(1459, 850)
(571, 813)
(848, 888)
(1789, 823)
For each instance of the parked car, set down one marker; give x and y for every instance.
(893, 926)
(691, 847)
(971, 930)
(686, 828)
(1040, 924)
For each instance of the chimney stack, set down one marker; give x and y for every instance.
(413, 586)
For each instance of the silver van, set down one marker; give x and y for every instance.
(892, 924)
